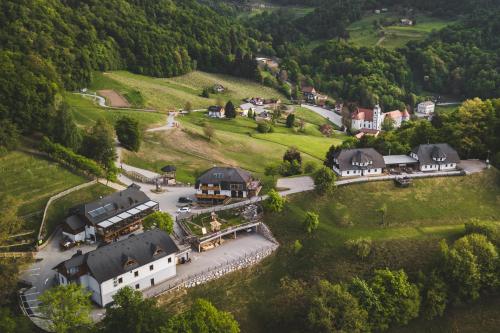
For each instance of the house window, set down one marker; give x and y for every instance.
(120, 280)
(136, 273)
(347, 172)
(152, 282)
(137, 286)
(151, 267)
(169, 260)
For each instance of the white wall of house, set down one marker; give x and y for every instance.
(357, 173)
(426, 108)
(89, 231)
(163, 269)
(216, 114)
(80, 237)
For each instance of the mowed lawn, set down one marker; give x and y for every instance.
(86, 112)
(33, 180)
(236, 143)
(364, 33)
(58, 211)
(172, 93)
(418, 218)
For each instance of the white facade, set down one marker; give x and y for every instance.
(80, 237)
(426, 108)
(216, 114)
(435, 166)
(227, 193)
(358, 173)
(374, 123)
(138, 278)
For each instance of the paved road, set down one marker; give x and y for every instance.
(330, 115)
(171, 123)
(102, 103)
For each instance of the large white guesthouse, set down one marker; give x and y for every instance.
(140, 261)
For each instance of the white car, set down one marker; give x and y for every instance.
(184, 210)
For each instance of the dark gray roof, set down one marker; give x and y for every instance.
(215, 108)
(112, 205)
(426, 153)
(218, 175)
(110, 260)
(74, 224)
(169, 168)
(346, 157)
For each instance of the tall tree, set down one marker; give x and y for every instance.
(99, 144)
(128, 133)
(230, 110)
(64, 129)
(324, 180)
(67, 307)
(160, 220)
(203, 317)
(311, 222)
(334, 309)
(133, 313)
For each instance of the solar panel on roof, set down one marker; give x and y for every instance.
(133, 211)
(151, 203)
(124, 215)
(114, 219)
(109, 207)
(105, 224)
(141, 207)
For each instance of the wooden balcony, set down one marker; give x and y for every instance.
(210, 196)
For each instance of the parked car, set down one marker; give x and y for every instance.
(185, 200)
(184, 210)
(67, 244)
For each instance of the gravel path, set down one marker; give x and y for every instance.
(330, 115)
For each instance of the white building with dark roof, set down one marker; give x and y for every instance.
(140, 261)
(426, 108)
(436, 157)
(220, 183)
(358, 162)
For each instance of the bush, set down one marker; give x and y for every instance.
(297, 246)
(361, 247)
(310, 167)
(483, 228)
(275, 202)
(264, 127)
(71, 159)
(324, 181)
(290, 169)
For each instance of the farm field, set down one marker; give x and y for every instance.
(417, 219)
(236, 143)
(33, 180)
(86, 113)
(59, 209)
(172, 93)
(363, 32)
(101, 81)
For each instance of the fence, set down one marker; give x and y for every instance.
(55, 197)
(213, 272)
(392, 177)
(17, 254)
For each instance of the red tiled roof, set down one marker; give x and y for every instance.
(363, 114)
(394, 114)
(309, 90)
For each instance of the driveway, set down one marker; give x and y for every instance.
(295, 185)
(330, 115)
(472, 166)
(41, 275)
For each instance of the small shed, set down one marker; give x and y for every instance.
(168, 174)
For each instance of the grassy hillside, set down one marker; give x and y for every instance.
(86, 112)
(237, 143)
(417, 217)
(32, 180)
(165, 94)
(364, 33)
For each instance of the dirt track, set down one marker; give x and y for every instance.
(114, 99)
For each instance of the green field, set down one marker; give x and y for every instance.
(59, 209)
(237, 143)
(418, 217)
(173, 93)
(86, 113)
(33, 180)
(363, 32)
(101, 81)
